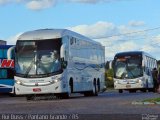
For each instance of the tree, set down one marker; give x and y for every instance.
(109, 73)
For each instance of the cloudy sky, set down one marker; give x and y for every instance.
(120, 25)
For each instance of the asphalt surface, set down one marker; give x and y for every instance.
(109, 104)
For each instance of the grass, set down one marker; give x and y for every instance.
(152, 100)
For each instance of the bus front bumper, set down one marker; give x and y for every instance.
(129, 86)
(49, 89)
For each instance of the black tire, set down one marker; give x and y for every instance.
(154, 90)
(98, 85)
(87, 94)
(132, 91)
(29, 97)
(95, 92)
(151, 90)
(91, 93)
(71, 85)
(120, 91)
(144, 90)
(64, 96)
(12, 94)
(68, 94)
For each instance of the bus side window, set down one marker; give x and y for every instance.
(3, 73)
(148, 72)
(1, 53)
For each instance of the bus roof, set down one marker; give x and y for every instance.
(51, 34)
(133, 53)
(5, 46)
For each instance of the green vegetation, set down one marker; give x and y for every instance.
(110, 84)
(109, 78)
(152, 100)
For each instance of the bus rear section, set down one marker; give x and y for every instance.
(6, 70)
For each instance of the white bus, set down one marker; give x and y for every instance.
(133, 71)
(58, 61)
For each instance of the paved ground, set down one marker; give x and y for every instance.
(109, 103)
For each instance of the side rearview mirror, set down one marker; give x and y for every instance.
(63, 63)
(9, 52)
(63, 52)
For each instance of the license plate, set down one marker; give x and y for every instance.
(128, 86)
(36, 89)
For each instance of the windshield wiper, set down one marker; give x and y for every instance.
(29, 68)
(131, 72)
(123, 75)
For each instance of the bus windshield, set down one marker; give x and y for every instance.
(128, 67)
(37, 58)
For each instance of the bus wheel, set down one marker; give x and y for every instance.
(29, 97)
(152, 90)
(86, 94)
(95, 90)
(12, 94)
(64, 96)
(98, 85)
(132, 91)
(144, 90)
(120, 91)
(149, 90)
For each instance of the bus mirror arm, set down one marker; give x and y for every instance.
(63, 52)
(9, 52)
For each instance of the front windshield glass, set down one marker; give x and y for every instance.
(39, 57)
(128, 67)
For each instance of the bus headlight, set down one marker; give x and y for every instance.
(138, 81)
(18, 82)
(116, 82)
(56, 80)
